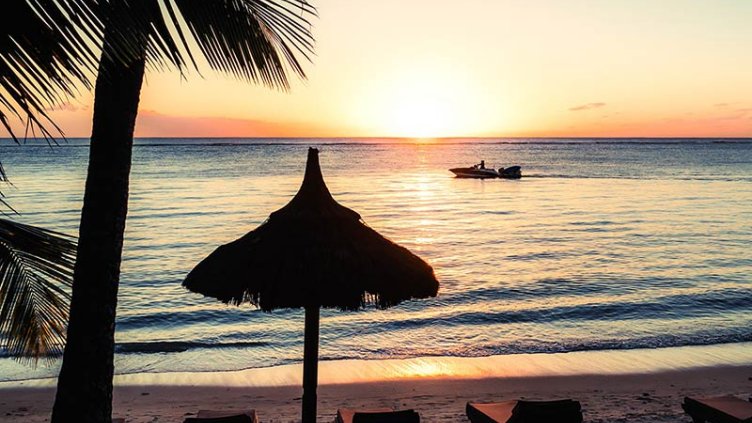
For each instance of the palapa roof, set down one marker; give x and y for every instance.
(313, 251)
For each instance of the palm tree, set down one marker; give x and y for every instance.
(43, 60)
(254, 40)
(248, 38)
(36, 268)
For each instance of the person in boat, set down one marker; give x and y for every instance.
(482, 164)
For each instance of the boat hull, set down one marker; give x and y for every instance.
(469, 172)
(513, 172)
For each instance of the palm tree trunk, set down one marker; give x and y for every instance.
(310, 363)
(84, 390)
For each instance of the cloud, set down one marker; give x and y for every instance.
(587, 106)
(155, 124)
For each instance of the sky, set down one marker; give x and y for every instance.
(481, 68)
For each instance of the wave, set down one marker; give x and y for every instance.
(706, 337)
(648, 342)
(179, 346)
(218, 317)
(681, 306)
(156, 347)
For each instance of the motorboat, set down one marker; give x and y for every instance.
(481, 172)
(474, 172)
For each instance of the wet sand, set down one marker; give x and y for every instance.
(654, 397)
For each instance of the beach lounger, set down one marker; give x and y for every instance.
(210, 416)
(726, 409)
(519, 411)
(378, 415)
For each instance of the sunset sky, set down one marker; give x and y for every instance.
(435, 68)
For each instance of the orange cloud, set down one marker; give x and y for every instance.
(736, 125)
(76, 122)
(587, 106)
(155, 124)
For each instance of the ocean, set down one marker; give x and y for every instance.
(604, 244)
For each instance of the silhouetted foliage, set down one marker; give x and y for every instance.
(36, 268)
(51, 48)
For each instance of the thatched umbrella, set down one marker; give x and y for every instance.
(313, 253)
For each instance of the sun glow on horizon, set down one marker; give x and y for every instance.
(426, 100)
(421, 117)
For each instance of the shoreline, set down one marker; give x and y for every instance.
(578, 363)
(635, 386)
(642, 398)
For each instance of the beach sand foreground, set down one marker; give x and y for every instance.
(654, 397)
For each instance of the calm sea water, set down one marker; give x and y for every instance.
(605, 244)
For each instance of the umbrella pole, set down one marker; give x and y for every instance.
(310, 363)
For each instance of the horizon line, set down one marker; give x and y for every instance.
(63, 138)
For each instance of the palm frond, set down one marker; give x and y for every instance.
(255, 40)
(36, 270)
(52, 47)
(45, 54)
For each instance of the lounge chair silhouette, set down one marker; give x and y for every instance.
(226, 416)
(379, 415)
(519, 411)
(725, 409)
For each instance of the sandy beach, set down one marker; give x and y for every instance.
(608, 398)
(642, 385)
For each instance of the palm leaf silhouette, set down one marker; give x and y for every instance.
(35, 277)
(51, 48)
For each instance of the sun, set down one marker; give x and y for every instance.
(420, 117)
(423, 101)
